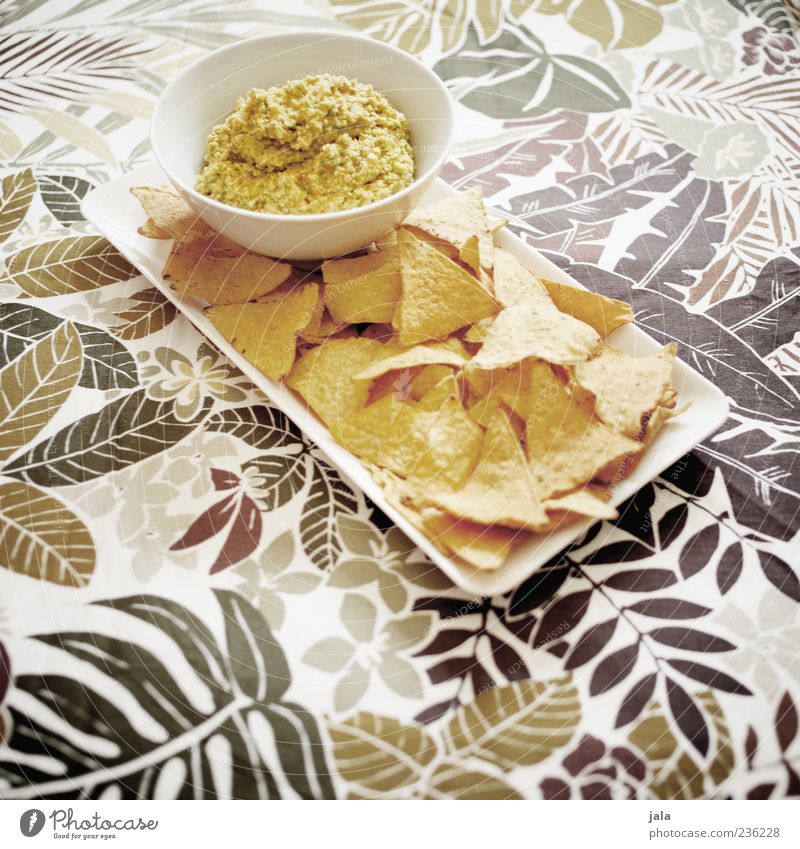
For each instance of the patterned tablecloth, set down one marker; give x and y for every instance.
(194, 604)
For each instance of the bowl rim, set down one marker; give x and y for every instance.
(339, 214)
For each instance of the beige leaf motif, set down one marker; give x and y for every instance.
(415, 27)
(381, 755)
(75, 132)
(41, 538)
(10, 144)
(450, 781)
(63, 266)
(520, 724)
(35, 385)
(16, 193)
(615, 24)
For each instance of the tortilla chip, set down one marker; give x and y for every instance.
(151, 230)
(192, 270)
(450, 352)
(501, 489)
(447, 389)
(438, 296)
(627, 390)
(477, 333)
(515, 283)
(171, 214)
(423, 380)
(590, 501)
(469, 254)
(526, 330)
(383, 333)
(322, 376)
(603, 314)
(566, 445)
(456, 219)
(495, 224)
(421, 445)
(481, 410)
(482, 546)
(314, 323)
(516, 389)
(266, 333)
(364, 288)
(325, 329)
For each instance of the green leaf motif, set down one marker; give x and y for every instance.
(774, 13)
(35, 386)
(107, 363)
(327, 496)
(124, 432)
(282, 468)
(533, 81)
(16, 194)
(63, 266)
(150, 313)
(522, 723)
(41, 538)
(273, 747)
(63, 194)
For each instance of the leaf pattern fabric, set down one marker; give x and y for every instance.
(205, 608)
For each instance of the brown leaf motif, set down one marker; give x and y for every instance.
(71, 264)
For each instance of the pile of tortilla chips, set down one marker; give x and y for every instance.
(483, 399)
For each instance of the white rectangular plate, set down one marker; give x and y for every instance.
(117, 215)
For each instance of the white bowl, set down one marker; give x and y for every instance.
(206, 93)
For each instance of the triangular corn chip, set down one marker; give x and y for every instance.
(325, 329)
(526, 330)
(315, 322)
(590, 501)
(425, 379)
(151, 230)
(193, 270)
(482, 546)
(495, 224)
(603, 314)
(515, 283)
(469, 254)
(456, 219)
(477, 333)
(364, 288)
(438, 296)
(450, 352)
(566, 445)
(501, 489)
(627, 390)
(447, 389)
(383, 333)
(266, 333)
(170, 214)
(322, 376)
(426, 446)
